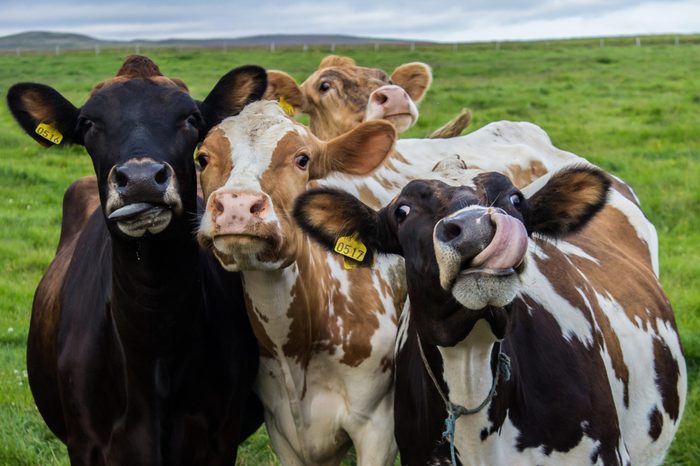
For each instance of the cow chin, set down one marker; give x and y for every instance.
(241, 252)
(478, 290)
(153, 222)
(475, 288)
(402, 121)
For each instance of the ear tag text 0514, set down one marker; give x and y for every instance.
(350, 247)
(49, 133)
(286, 106)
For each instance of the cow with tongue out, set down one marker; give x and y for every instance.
(510, 351)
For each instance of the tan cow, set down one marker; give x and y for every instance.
(339, 95)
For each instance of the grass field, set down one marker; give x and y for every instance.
(635, 111)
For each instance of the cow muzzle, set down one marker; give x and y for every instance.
(242, 227)
(142, 197)
(392, 103)
(478, 251)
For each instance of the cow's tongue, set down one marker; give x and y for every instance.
(132, 210)
(507, 247)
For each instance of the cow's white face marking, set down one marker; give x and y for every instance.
(247, 242)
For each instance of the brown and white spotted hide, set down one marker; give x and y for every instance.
(556, 277)
(326, 333)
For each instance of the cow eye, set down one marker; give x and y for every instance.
(324, 86)
(516, 200)
(193, 120)
(85, 124)
(302, 161)
(402, 212)
(202, 160)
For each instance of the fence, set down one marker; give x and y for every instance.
(272, 47)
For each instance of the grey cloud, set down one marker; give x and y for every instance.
(444, 20)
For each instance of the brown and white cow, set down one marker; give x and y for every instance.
(326, 334)
(339, 95)
(553, 277)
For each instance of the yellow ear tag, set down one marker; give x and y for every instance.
(286, 106)
(49, 133)
(351, 246)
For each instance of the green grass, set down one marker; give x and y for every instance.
(635, 111)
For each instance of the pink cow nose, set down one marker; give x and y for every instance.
(392, 98)
(235, 212)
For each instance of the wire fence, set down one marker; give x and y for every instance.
(273, 47)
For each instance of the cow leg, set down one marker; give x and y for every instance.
(287, 455)
(374, 441)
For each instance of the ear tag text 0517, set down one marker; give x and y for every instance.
(286, 106)
(49, 133)
(352, 248)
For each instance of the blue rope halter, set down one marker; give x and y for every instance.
(455, 411)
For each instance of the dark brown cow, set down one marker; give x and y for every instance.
(139, 349)
(545, 352)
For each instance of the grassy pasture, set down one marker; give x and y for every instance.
(635, 111)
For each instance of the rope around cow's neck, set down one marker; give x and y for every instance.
(455, 411)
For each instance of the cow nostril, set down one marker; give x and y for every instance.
(218, 206)
(120, 178)
(449, 231)
(162, 175)
(380, 98)
(258, 207)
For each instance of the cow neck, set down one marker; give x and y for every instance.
(287, 336)
(284, 306)
(469, 369)
(155, 292)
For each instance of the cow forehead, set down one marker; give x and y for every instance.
(349, 76)
(160, 95)
(253, 136)
(118, 80)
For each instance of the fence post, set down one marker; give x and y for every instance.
(498, 45)
(677, 42)
(272, 47)
(376, 46)
(58, 50)
(306, 48)
(97, 49)
(602, 42)
(413, 46)
(332, 48)
(638, 41)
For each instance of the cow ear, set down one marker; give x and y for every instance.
(335, 60)
(282, 87)
(357, 152)
(568, 200)
(235, 90)
(43, 113)
(328, 215)
(415, 78)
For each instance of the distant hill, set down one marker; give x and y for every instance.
(49, 40)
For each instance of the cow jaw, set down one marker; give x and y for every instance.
(489, 278)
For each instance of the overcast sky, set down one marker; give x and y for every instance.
(439, 20)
